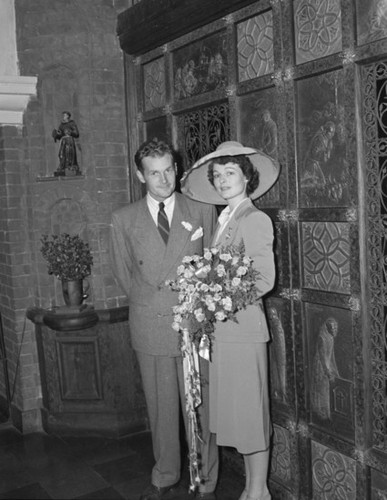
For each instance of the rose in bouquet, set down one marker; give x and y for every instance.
(213, 287)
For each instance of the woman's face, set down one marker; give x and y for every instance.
(230, 182)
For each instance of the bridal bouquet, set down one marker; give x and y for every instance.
(213, 287)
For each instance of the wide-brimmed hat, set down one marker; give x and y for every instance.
(196, 185)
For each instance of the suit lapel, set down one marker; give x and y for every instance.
(146, 233)
(179, 237)
(228, 235)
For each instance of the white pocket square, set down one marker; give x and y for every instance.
(197, 234)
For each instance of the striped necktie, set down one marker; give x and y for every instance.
(162, 223)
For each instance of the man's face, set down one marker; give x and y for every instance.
(159, 176)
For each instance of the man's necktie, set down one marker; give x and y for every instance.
(162, 223)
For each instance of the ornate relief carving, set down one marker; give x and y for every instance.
(280, 458)
(374, 116)
(203, 130)
(349, 56)
(371, 21)
(229, 19)
(231, 91)
(326, 256)
(291, 293)
(334, 475)
(277, 352)
(201, 67)
(154, 84)
(354, 304)
(288, 74)
(255, 46)
(330, 353)
(317, 28)
(303, 429)
(321, 141)
(351, 215)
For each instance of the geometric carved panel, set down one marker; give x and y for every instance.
(255, 47)
(280, 465)
(154, 84)
(79, 368)
(330, 354)
(317, 26)
(334, 475)
(326, 256)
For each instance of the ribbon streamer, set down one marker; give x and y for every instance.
(193, 399)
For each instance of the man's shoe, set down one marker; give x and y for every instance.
(206, 496)
(155, 492)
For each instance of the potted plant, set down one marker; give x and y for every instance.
(69, 259)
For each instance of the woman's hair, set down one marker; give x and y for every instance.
(244, 163)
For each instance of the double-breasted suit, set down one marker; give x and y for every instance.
(239, 401)
(142, 264)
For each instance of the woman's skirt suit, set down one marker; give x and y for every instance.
(239, 394)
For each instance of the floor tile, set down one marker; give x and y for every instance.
(106, 494)
(32, 491)
(42, 466)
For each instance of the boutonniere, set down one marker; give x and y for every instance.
(187, 225)
(197, 234)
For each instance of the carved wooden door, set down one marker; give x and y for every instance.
(305, 81)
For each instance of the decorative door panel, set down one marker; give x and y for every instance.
(305, 81)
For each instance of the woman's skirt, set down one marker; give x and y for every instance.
(239, 395)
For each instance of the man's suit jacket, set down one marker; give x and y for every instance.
(255, 228)
(142, 263)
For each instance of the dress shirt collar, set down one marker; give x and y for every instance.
(153, 205)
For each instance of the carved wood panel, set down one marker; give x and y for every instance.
(305, 81)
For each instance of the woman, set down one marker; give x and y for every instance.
(239, 396)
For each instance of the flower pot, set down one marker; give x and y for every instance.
(73, 292)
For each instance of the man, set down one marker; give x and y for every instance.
(146, 248)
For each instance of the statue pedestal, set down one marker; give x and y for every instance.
(90, 379)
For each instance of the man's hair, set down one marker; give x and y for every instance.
(244, 163)
(153, 148)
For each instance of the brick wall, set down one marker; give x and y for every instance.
(73, 50)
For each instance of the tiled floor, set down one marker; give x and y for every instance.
(40, 466)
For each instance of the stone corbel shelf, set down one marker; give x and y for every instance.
(66, 321)
(15, 93)
(62, 178)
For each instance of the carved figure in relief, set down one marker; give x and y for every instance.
(324, 368)
(377, 20)
(216, 71)
(269, 136)
(66, 133)
(317, 155)
(277, 354)
(188, 77)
